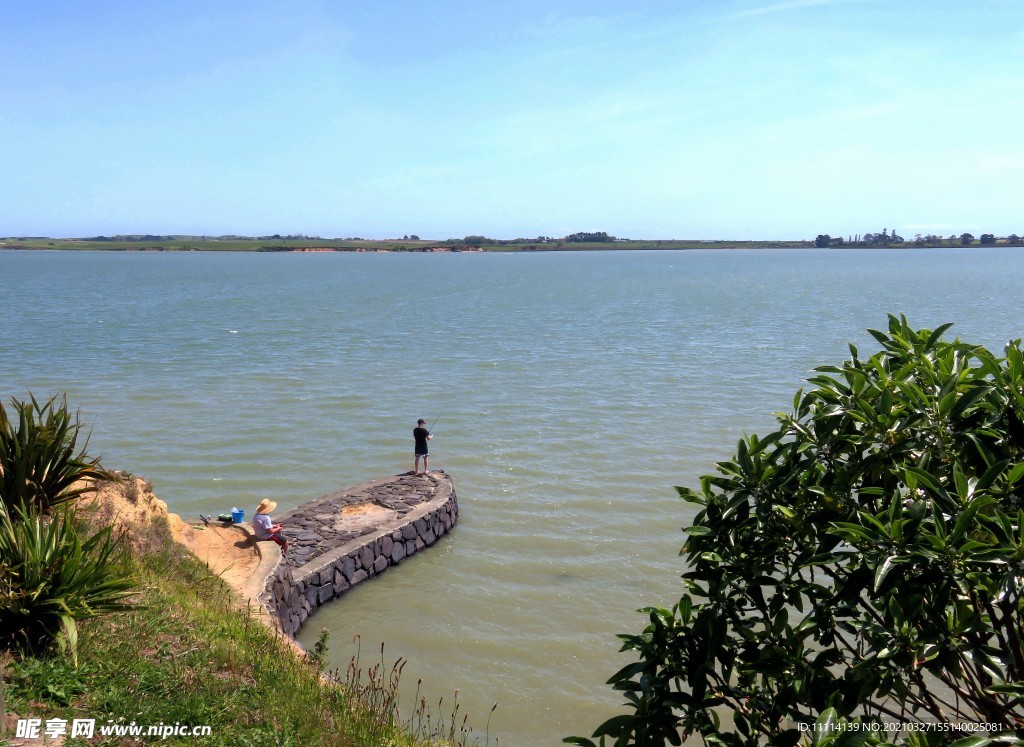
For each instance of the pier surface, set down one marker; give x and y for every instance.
(344, 538)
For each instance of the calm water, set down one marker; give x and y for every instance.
(572, 392)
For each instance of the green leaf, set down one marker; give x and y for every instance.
(969, 399)
(966, 517)
(825, 726)
(936, 334)
(614, 725)
(883, 571)
(1015, 474)
(963, 488)
(932, 485)
(627, 673)
(1016, 689)
(699, 531)
(972, 742)
(685, 607)
(880, 336)
(990, 474)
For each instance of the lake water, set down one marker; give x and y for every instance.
(572, 391)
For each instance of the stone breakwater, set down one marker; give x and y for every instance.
(347, 537)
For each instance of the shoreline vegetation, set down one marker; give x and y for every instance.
(112, 626)
(575, 242)
(189, 651)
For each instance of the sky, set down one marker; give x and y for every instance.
(724, 119)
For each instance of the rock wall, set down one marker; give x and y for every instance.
(291, 594)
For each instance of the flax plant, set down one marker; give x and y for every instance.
(42, 462)
(53, 577)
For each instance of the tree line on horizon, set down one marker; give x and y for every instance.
(885, 238)
(580, 237)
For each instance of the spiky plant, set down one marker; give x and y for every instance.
(42, 463)
(55, 575)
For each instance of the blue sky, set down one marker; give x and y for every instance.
(735, 119)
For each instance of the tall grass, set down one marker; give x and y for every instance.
(378, 688)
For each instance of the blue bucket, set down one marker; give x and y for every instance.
(237, 515)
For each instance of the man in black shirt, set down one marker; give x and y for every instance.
(421, 435)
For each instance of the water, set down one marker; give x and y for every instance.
(572, 391)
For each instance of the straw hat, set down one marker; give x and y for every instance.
(266, 506)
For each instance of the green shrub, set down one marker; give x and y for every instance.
(53, 577)
(863, 563)
(40, 461)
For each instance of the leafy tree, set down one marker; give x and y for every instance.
(988, 239)
(966, 238)
(864, 561)
(822, 240)
(583, 236)
(883, 238)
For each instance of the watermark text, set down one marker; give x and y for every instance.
(891, 727)
(51, 728)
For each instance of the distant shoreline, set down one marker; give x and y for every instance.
(322, 246)
(358, 246)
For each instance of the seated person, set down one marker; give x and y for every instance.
(266, 529)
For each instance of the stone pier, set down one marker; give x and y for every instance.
(344, 538)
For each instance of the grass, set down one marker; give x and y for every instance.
(187, 652)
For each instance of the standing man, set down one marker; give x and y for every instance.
(421, 435)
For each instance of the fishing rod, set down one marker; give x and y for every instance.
(442, 410)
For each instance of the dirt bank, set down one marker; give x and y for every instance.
(132, 507)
